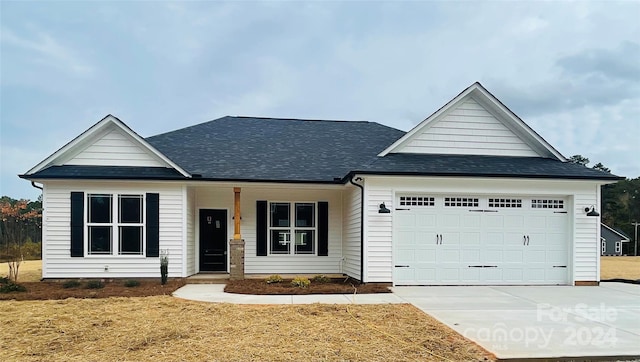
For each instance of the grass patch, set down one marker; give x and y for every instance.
(30, 271)
(620, 267)
(99, 329)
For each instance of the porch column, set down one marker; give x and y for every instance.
(236, 245)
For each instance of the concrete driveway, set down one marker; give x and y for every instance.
(538, 321)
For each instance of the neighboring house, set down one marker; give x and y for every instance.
(611, 241)
(471, 195)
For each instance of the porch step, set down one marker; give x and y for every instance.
(220, 278)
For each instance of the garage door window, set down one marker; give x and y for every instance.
(460, 202)
(508, 203)
(547, 204)
(417, 201)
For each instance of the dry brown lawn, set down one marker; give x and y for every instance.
(620, 267)
(163, 328)
(29, 271)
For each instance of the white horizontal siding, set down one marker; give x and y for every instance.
(584, 234)
(378, 233)
(351, 231)
(468, 129)
(222, 198)
(191, 224)
(115, 149)
(57, 262)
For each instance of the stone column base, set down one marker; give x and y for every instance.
(236, 259)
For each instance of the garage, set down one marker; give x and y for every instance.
(480, 240)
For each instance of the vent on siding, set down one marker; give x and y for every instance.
(508, 203)
(547, 204)
(417, 201)
(460, 202)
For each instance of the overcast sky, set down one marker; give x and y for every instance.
(571, 70)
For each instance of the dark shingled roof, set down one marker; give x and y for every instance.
(292, 150)
(474, 165)
(270, 149)
(108, 172)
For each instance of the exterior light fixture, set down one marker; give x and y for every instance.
(591, 211)
(383, 209)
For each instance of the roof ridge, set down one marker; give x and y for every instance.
(301, 119)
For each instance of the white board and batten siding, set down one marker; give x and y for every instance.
(468, 129)
(583, 263)
(58, 262)
(218, 197)
(351, 226)
(115, 148)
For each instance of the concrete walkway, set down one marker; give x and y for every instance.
(512, 322)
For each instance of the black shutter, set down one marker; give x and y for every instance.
(77, 224)
(261, 228)
(153, 225)
(323, 228)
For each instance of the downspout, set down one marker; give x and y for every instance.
(361, 224)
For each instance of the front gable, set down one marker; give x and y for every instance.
(474, 123)
(108, 143)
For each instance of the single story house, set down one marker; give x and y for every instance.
(611, 240)
(470, 196)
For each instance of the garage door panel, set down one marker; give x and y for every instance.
(515, 244)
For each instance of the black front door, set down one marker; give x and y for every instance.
(213, 240)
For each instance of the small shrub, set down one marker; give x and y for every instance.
(300, 282)
(274, 279)
(321, 279)
(71, 284)
(12, 287)
(131, 283)
(4, 280)
(164, 266)
(95, 284)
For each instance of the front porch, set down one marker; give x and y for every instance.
(286, 229)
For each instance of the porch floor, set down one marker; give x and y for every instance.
(208, 278)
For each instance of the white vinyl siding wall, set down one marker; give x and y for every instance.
(115, 149)
(56, 229)
(219, 197)
(351, 231)
(468, 129)
(584, 234)
(191, 234)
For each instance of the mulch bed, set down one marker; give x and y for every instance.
(335, 286)
(54, 290)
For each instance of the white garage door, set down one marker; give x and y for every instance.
(468, 240)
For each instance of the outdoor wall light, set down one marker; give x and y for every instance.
(383, 209)
(591, 211)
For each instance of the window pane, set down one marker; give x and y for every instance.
(131, 209)
(130, 239)
(280, 214)
(280, 241)
(305, 215)
(305, 241)
(99, 239)
(100, 208)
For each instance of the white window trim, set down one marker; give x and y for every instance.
(604, 247)
(115, 224)
(618, 246)
(292, 228)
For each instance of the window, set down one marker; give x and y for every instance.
(115, 227)
(547, 204)
(604, 247)
(508, 203)
(618, 246)
(416, 201)
(292, 229)
(460, 202)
